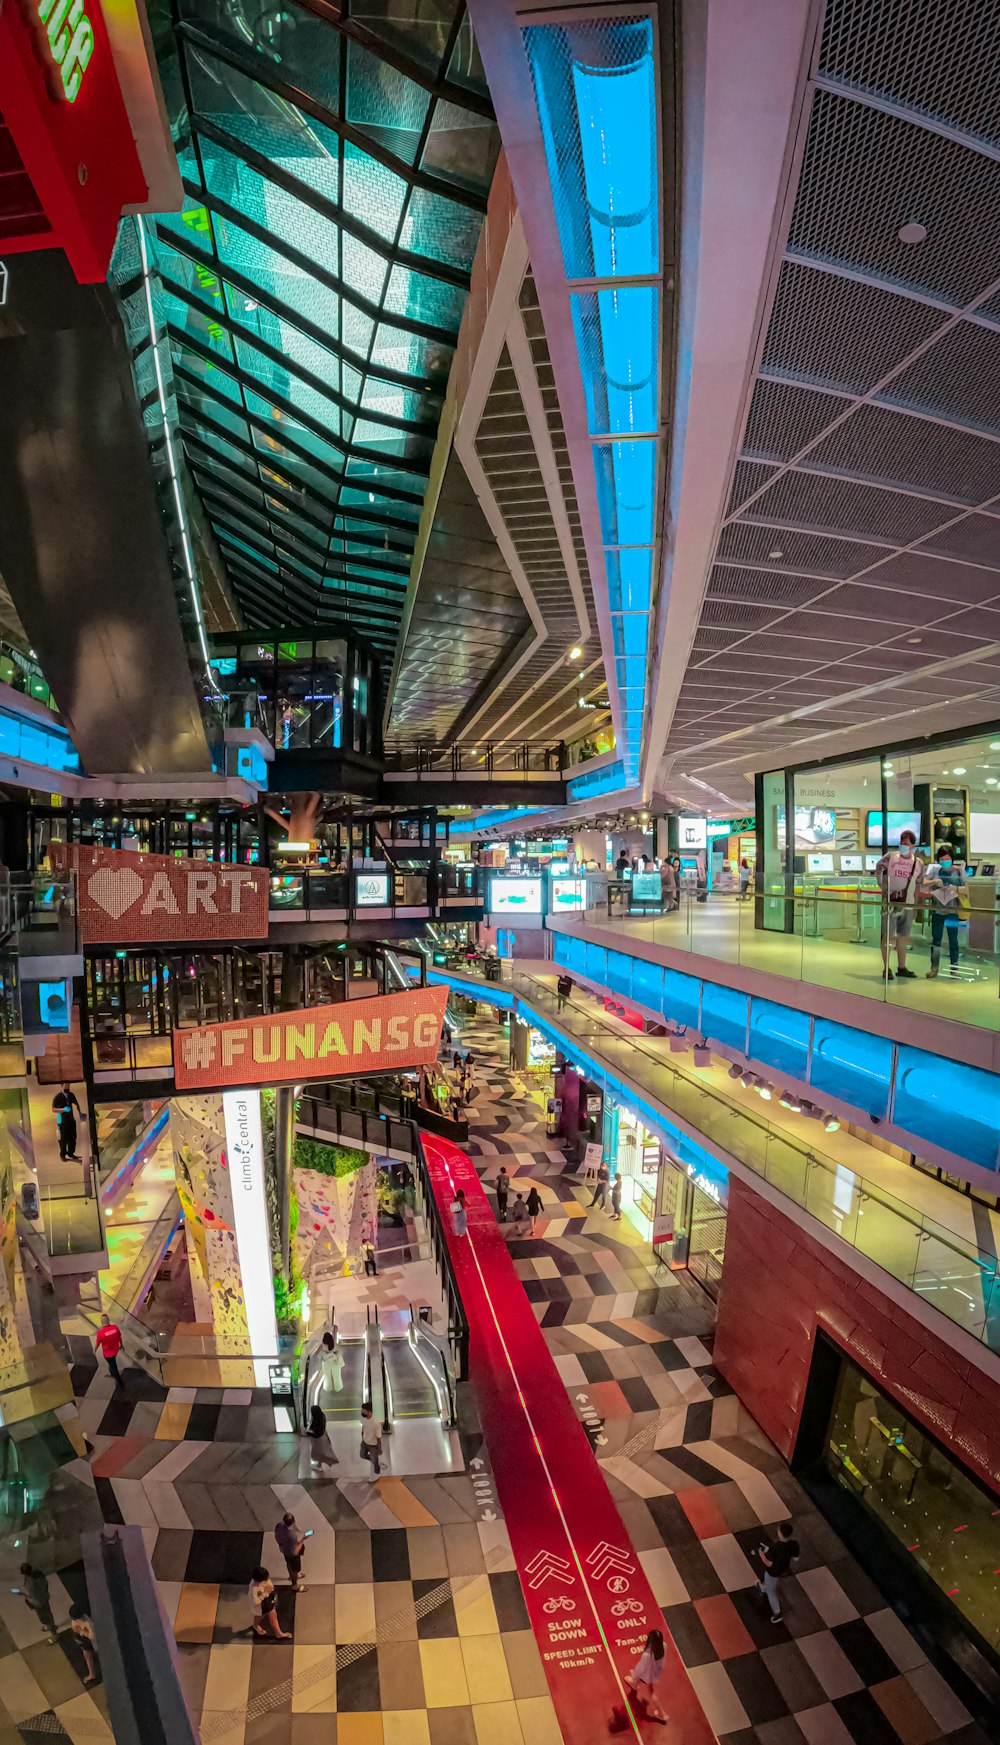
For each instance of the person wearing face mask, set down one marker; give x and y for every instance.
(900, 875)
(944, 883)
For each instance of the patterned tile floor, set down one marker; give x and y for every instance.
(412, 1629)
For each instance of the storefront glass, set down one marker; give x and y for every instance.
(636, 1158)
(936, 1514)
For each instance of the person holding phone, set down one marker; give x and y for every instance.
(291, 1544)
(777, 1559)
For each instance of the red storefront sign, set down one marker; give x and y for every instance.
(74, 167)
(318, 1042)
(588, 1596)
(125, 898)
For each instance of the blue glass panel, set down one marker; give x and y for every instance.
(954, 1106)
(724, 1015)
(595, 88)
(630, 631)
(681, 997)
(779, 1036)
(595, 964)
(619, 973)
(626, 491)
(630, 579)
(600, 781)
(617, 338)
(647, 984)
(851, 1065)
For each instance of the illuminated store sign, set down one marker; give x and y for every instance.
(245, 1153)
(68, 36)
(372, 890)
(319, 1042)
(692, 833)
(125, 898)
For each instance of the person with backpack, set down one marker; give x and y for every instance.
(502, 1190)
(777, 1559)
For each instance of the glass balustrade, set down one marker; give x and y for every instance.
(953, 1275)
(831, 939)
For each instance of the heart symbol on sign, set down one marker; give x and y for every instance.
(114, 891)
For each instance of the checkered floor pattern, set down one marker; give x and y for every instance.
(412, 1629)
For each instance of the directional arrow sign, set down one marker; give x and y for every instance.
(605, 1557)
(546, 1563)
(477, 1462)
(488, 1515)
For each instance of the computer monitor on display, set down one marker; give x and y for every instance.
(819, 863)
(898, 822)
(851, 863)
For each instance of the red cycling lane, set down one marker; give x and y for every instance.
(587, 1594)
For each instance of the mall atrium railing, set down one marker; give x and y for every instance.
(361, 894)
(500, 757)
(955, 1277)
(830, 938)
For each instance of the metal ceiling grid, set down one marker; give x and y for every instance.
(871, 452)
(336, 168)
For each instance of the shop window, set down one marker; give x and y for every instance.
(927, 1528)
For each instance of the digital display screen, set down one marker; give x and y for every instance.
(569, 894)
(515, 896)
(647, 887)
(819, 863)
(851, 863)
(898, 822)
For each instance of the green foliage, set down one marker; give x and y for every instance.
(337, 1160)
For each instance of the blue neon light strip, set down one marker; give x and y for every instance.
(595, 90)
(485, 820)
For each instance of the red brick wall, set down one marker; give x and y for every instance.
(779, 1285)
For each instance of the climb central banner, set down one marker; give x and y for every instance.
(318, 1042)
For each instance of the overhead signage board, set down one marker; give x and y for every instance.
(318, 1042)
(245, 1154)
(61, 100)
(126, 898)
(515, 896)
(691, 834)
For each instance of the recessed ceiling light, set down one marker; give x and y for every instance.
(912, 234)
(775, 555)
(995, 744)
(914, 639)
(959, 770)
(991, 781)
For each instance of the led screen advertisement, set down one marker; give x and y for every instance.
(126, 898)
(568, 894)
(515, 896)
(318, 1042)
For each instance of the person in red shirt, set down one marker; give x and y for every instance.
(109, 1343)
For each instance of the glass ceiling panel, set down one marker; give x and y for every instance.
(307, 402)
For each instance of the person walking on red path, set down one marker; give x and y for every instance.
(109, 1343)
(641, 1683)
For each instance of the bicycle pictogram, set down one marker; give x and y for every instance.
(561, 1603)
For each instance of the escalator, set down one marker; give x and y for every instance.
(343, 1402)
(417, 1375)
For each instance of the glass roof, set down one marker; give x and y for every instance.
(336, 164)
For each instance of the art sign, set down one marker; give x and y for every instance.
(318, 1042)
(126, 898)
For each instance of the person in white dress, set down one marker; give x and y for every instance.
(646, 1673)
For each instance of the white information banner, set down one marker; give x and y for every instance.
(245, 1150)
